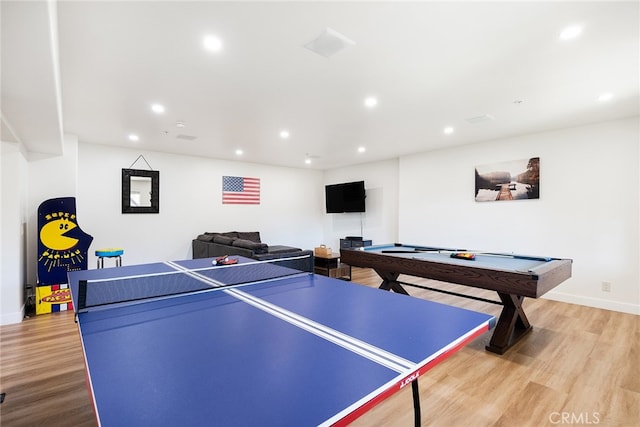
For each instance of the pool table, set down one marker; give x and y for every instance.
(513, 277)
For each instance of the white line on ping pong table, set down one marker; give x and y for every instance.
(362, 348)
(182, 270)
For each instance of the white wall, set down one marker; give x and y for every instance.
(380, 221)
(587, 211)
(13, 190)
(191, 203)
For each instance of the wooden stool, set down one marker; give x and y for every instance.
(109, 253)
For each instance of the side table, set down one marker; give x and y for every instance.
(330, 265)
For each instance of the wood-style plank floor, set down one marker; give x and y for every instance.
(579, 366)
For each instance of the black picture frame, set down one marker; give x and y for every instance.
(127, 175)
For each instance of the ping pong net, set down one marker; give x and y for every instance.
(105, 292)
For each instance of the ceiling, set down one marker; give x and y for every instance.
(489, 70)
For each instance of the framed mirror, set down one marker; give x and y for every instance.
(140, 191)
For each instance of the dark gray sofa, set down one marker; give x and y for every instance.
(249, 245)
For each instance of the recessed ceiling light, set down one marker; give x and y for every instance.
(180, 124)
(571, 32)
(370, 102)
(239, 152)
(361, 149)
(157, 108)
(606, 96)
(284, 134)
(133, 137)
(307, 161)
(448, 130)
(212, 43)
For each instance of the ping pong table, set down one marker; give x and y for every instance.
(187, 343)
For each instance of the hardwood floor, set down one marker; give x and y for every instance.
(579, 366)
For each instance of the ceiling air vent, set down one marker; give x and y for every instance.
(480, 119)
(329, 43)
(186, 137)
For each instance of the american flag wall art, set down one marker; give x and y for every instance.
(240, 190)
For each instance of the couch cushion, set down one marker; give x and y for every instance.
(205, 237)
(258, 248)
(230, 234)
(254, 236)
(279, 249)
(223, 240)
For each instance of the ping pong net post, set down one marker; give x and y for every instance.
(179, 281)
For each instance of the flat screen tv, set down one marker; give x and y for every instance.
(346, 197)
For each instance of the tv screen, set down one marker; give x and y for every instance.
(347, 197)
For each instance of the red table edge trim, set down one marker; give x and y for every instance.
(400, 384)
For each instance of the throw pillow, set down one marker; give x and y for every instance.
(254, 236)
(223, 240)
(257, 248)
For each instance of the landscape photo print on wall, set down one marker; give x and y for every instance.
(513, 180)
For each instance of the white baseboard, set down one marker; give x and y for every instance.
(12, 318)
(594, 302)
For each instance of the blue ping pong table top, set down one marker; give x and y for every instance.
(302, 350)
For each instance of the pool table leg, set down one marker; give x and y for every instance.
(512, 324)
(390, 282)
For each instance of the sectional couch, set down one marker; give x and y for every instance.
(249, 245)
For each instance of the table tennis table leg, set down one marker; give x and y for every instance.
(417, 416)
